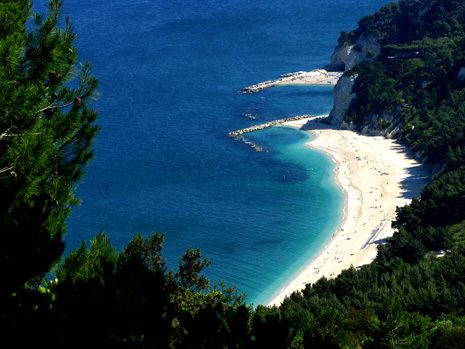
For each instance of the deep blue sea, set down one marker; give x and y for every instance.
(170, 72)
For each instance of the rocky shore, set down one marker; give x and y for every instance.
(314, 77)
(266, 125)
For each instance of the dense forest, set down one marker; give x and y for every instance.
(408, 297)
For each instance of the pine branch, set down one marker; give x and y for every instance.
(83, 91)
(19, 134)
(52, 106)
(6, 169)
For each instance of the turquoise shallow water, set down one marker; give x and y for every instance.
(170, 72)
(313, 202)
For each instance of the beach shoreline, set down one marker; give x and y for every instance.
(372, 171)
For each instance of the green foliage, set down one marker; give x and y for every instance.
(415, 82)
(216, 326)
(29, 248)
(109, 298)
(46, 130)
(144, 253)
(447, 335)
(389, 303)
(415, 79)
(271, 329)
(190, 266)
(85, 264)
(105, 297)
(379, 96)
(432, 223)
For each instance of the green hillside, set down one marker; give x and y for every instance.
(414, 88)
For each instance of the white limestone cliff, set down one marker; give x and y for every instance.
(347, 55)
(344, 57)
(342, 95)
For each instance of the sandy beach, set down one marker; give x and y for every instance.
(377, 175)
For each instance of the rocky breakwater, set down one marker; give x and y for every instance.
(266, 125)
(314, 77)
(238, 135)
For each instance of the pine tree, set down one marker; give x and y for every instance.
(46, 130)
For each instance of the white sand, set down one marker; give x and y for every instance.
(372, 171)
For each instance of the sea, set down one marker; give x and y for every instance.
(170, 75)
